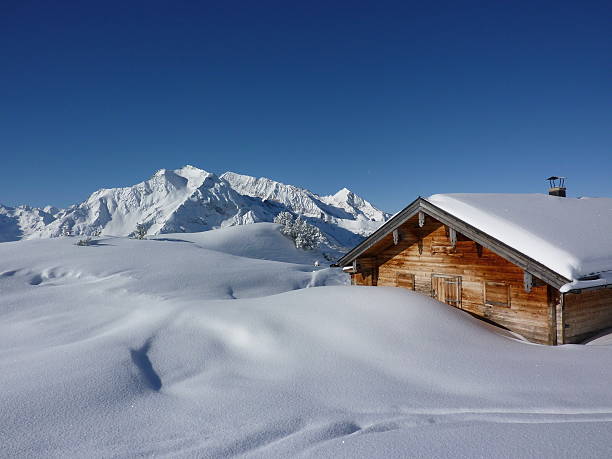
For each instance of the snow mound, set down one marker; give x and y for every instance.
(260, 241)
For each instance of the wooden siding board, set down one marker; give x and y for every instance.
(586, 314)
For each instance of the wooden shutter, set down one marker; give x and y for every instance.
(405, 280)
(447, 289)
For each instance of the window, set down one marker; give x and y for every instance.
(497, 294)
(405, 280)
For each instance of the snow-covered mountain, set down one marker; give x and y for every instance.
(190, 200)
(336, 215)
(22, 221)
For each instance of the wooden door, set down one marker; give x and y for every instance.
(447, 289)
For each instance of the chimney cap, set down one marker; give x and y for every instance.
(557, 186)
(553, 181)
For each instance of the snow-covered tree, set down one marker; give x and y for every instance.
(84, 242)
(307, 236)
(304, 235)
(284, 218)
(140, 232)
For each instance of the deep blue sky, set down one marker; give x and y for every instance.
(390, 99)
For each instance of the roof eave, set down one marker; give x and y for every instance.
(395, 222)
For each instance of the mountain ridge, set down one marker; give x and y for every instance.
(190, 199)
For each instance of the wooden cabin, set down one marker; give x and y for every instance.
(538, 265)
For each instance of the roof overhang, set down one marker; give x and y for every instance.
(496, 246)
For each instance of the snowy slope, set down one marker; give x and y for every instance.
(191, 200)
(209, 345)
(569, 235)
(259, 241)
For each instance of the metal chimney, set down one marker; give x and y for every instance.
(557, 186)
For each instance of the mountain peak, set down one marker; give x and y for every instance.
(195, 176)
(189, 170)
(186, 176)
(344, 193)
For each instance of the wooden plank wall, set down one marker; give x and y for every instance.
(587, 313)
(427, 250)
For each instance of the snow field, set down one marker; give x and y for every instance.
(211, 345)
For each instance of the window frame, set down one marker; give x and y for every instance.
(497, 304)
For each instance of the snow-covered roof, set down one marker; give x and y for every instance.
(571, 236)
